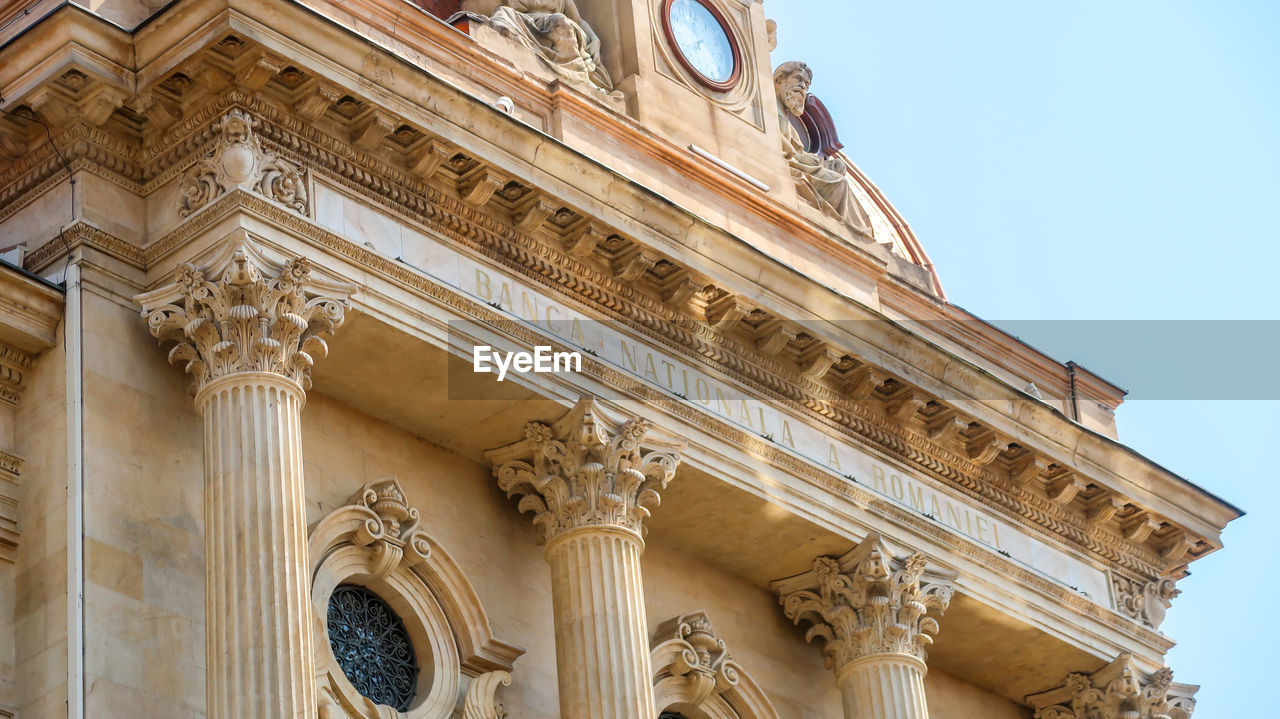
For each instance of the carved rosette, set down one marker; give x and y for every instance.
(1145, 603)
(864, 604)
(245, 314)
(585, 470)
(1117, 691)
(688, 650)
(238, 160)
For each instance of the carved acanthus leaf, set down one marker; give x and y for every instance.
(865, 603)
(238, 160)
(585, 470)
(1117, 691)
(244, 313)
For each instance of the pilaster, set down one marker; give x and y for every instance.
(590, 488)
(248, 331)
(873, 613)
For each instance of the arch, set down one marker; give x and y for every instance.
(694, 676)
(375, 540)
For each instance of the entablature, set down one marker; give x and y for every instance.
(450, 163)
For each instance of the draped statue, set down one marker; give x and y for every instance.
(823, 182)
(556, 31)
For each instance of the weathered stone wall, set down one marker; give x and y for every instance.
(144, 517)
(38, 684)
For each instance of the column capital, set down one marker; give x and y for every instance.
(866, 603)
(1119, 690)
(242, 312)
(586, 470)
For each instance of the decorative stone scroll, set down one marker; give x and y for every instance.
(1145, 602)
(864, 603)
(692, 669)
(381, 508)
(1117, 691)
(377, 540)
(245, 313)
(238, 160)
(581, 472)
(482, 696)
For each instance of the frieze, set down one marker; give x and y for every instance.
(751, 442)
(523, 253)
(532, 254)
(867, 425)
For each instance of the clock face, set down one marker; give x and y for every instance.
(703, 42)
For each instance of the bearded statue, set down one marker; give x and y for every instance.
(823, 182)
(556, 31)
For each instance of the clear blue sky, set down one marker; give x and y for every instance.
(1097, 160)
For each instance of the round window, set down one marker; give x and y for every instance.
(702, 41)
(372, 647)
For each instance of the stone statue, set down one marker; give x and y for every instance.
(556, 31)
(823, 182)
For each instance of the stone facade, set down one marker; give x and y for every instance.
(779, 430)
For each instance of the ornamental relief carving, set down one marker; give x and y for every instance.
(1145, 602)
(866, 603)
(1117, 691)
(245, 313)
(479, 229)
(238, 160)
(377, 540)
(692, 670)
(585, 470)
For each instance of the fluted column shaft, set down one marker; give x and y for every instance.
(590, 488)
(258, 647)
(883, 686)
(602, 647)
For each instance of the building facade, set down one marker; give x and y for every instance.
(277, 438)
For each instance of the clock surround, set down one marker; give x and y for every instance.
(730, 37)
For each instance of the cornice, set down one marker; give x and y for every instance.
(536, 255)
(30, 310)
(1028, 476)
(755, 445)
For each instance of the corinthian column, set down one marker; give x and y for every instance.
(1117, 691)
(590, 488)
(873, 614)
(248, 332)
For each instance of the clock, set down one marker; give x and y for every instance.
(703, 42)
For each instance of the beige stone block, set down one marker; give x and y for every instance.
(49, 705)
(37, 585)
(112, 568)
(45, 671)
